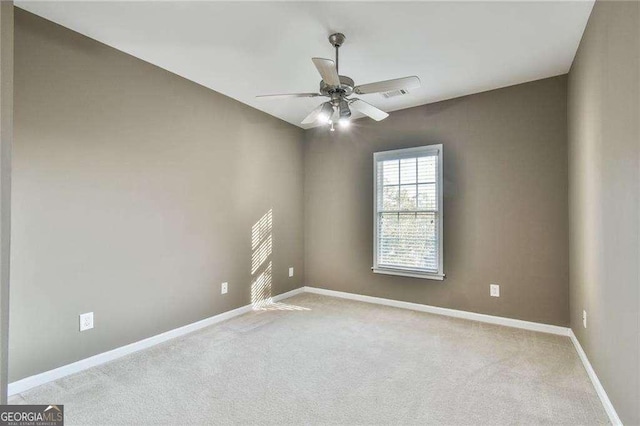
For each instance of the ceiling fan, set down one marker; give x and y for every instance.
(340, 88)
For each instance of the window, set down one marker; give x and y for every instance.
(408, 212)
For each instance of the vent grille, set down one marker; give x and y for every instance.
(394, 93)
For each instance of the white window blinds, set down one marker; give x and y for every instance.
(408, 212)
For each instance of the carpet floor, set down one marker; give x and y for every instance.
(320, 360)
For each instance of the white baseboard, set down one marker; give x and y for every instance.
(288, 294)
(75, 367)
(508, 322)
(604, 398)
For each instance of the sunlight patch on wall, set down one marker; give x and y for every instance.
(261, 288)
(261, 229)
(261, 254)
(262, 267)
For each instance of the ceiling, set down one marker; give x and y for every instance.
(243, 49)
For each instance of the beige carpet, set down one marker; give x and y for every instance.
(319, 360)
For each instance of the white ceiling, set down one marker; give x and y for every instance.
(244, 49)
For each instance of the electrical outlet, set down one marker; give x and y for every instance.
(494, 290)
(224, 288)
(290, 272)
(86, 321)
(584, 319)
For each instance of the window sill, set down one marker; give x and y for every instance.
(401, 273)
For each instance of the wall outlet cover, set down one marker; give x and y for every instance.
(584, 318)
(494, 290)
(290, 272)
(224, 288)
(86, 321)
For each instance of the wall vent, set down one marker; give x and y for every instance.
(394, 93)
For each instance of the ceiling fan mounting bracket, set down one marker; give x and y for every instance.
(337, 39)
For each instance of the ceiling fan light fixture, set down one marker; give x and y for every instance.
(345, 112)
(325, 113)
(344, 123)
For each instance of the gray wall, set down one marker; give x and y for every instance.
(604, 182)
(6, 142)
(134, 196)
(505, 202)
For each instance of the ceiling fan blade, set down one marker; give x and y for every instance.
(291, 95)
(412, 82)
(368, 109)
(327, 70)
(311, 118)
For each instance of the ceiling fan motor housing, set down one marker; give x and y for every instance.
(345, 89)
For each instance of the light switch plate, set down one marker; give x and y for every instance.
(290, 272)
(86, 321)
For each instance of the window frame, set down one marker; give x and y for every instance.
(398, 154)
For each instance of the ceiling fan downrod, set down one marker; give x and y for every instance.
(336, 41)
